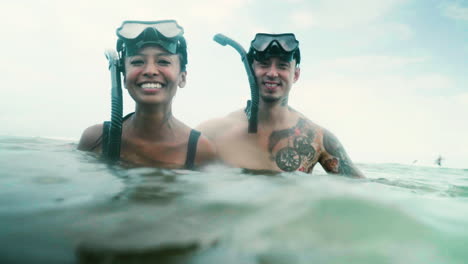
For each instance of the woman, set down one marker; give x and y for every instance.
(154, 58)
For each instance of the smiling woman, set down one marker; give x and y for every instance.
(154, 58)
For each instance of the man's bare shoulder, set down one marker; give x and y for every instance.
(211, 128)
(206, 151)
(312, 125)
(91, 138)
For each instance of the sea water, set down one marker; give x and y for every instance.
(60, 205)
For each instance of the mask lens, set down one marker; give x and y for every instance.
(132, 29)
(287, 41)
(261, 42)
(169, 30)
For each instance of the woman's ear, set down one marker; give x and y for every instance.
(183, 79)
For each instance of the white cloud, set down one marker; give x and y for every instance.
(344, 14)
(215, 11)
(463, 99)
(294, 1)
(370, 63)
(455, 10)
(393, 31)
(302, 19)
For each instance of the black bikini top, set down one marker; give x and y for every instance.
(191, 147)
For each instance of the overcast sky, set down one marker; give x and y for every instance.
(389, 78)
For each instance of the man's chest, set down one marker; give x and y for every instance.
(281, 151)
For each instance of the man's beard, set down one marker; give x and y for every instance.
(270, 99)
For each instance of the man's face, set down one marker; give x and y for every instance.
(275, 78)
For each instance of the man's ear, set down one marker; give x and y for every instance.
(183, 79)
(297, 73)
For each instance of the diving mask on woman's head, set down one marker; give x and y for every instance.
(266, 45)
(133, 35)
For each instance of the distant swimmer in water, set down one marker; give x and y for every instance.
(285, 140)
(154, 58)
(438, 161)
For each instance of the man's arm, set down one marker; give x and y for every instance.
(206, 152)
(209, 128)
(334, 158)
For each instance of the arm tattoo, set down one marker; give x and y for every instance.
(299, 153)
(340, 163)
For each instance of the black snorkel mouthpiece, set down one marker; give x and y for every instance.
(252, 105)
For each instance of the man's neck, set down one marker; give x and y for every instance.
(272, 115)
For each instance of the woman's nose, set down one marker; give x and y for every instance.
(151, 69)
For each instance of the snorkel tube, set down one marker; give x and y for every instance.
(252, 105)
(112, 135)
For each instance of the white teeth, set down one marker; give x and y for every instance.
(151, 86)
(271, 84)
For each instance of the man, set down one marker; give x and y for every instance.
(285, 140)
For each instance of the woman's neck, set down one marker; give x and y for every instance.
(153, 123)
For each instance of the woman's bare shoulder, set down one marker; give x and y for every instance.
(91, 138)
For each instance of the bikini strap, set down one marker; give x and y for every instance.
(192, 149)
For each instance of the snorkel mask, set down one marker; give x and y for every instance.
(284, 46)
(134, 35)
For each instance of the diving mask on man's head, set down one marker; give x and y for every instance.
(133, 35)
(284, 46)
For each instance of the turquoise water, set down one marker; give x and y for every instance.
(59, 205)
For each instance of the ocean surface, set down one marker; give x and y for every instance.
(60, 205)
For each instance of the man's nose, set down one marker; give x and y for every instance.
(272, 72)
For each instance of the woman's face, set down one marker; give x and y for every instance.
(153, 75)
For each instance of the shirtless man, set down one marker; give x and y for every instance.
(285, 140)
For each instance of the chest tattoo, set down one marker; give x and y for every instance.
(297, 152)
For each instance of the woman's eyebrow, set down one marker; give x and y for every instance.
(156, 54)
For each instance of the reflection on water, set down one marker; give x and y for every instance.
(59, 205)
